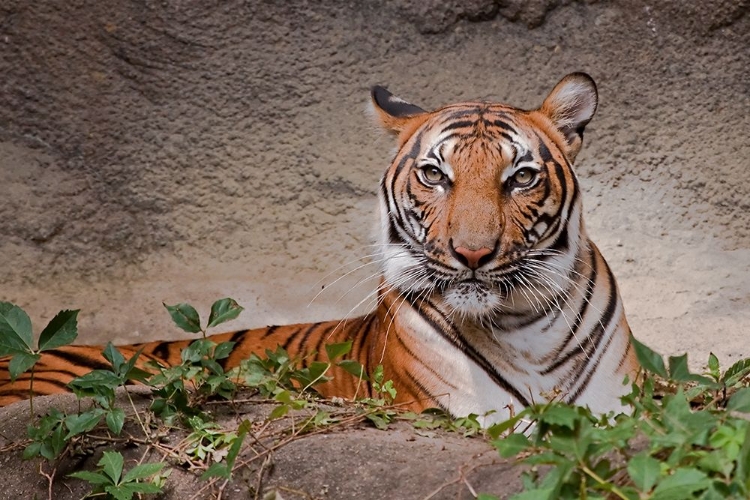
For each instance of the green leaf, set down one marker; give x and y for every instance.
(335, 351)
(118, 492)
(649, 359)
(216, 470)
(142, 471)
(91, 477)
(15, 329)
(223, 310)
(537, 494)
(279, 412)
(681, 485)
(32, 450)
(20, 362)
(713, 366)
(736, 372)
(679, 371)
(185, 316)
(128, 371)
(78, 424)
(95, 380)
(62, 330)
(111, 463)
(511, 445)
(223, 350)
(644, 470)
(125, 491)
(353, 367)
(740, 401)
(242, 431)
(115, 420)
(495, 430)
(114, 356)
(561, 415)
(225, 470)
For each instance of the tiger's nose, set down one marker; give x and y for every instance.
(472, 259)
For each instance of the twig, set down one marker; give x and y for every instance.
(137, 416)
(50, 478)
(259, 483)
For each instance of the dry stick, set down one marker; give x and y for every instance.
(50, 477)
(135, 411)
(462, 472)
(221, 489)
(296, 492)
(294, 437)
(164, 449)
(259, 483)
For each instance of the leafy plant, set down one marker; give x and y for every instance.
(109, 479)
(380, 412)
(180, 389)
(16, 340)
(687, 440)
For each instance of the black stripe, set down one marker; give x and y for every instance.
(449, 332)
(602, 328)
(411, 353)
(574, 328)
(626, 353)
(528, 156)
(306, 339)
(434, 398)
(161, 351)
(79, 360)
(544, 152)
(459, 124)
(290, 338)
(323, 336)
(238, 336)
(271, 330)
(411, 155)
(506, 126)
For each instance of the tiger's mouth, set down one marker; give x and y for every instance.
(482, 292)
(473, 297)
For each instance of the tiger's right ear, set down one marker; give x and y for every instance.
(395, 115)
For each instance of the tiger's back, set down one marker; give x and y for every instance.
(492, 296)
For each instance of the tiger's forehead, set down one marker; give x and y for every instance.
(477, 131)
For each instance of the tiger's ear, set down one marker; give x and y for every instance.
(570, 106)
(395, 115)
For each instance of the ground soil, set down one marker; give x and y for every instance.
(186, 151)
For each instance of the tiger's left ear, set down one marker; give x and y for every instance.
(395, 115)
(570, 106)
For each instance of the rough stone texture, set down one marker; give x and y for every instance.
(356, 461)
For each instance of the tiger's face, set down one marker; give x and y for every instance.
(481, 204)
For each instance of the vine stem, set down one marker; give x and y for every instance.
(599, 480)
(31, 394)
(135, 411)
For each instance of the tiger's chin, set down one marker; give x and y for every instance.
(473, 299)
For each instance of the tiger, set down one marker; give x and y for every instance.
(491, 296)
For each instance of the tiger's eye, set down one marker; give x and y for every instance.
(524, 176)
(433, 174)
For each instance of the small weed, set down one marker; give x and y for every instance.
(689, 439)
(16, 339)
(109, 479)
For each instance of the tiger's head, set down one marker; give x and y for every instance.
(481, 204)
